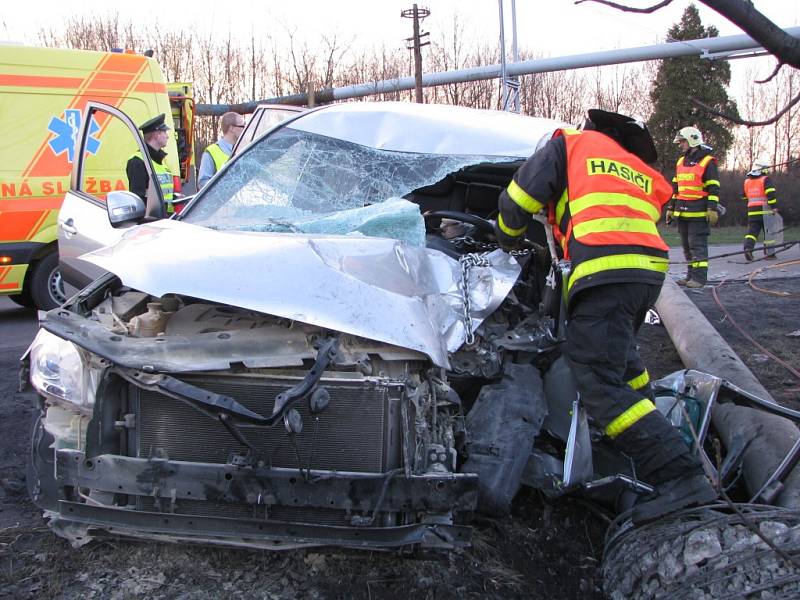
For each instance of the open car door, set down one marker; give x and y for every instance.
(99, 208)
(264, 117)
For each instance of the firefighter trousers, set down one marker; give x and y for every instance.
(755, 226)
(613, 383)
(694, 239)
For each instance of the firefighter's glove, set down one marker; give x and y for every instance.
(668, 216)
(506, 242)
(713, 217)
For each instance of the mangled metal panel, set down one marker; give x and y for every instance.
(376, 288)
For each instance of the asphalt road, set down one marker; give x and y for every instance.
(735, 267)
(17, 327)
(17, 330)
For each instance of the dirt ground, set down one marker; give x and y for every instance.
(545, 549)
(769, 316)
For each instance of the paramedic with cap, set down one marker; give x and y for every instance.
(156, 136)
(695, 203)
(217, 154)
(603, 201)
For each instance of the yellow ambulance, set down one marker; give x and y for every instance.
(43, 95)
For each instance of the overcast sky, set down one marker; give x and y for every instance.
(551, 27)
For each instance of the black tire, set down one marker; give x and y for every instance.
(47, 288)
(703, 553)
(23, 299)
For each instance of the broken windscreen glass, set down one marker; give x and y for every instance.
(296, 181)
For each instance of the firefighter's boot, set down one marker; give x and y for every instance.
(672, 495)
(664, 460)
(693, 284)
(748, 255)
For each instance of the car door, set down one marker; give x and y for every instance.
(106, 141)
(265, 117)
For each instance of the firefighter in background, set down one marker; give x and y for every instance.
(695, 202)
(217, 154)
(603, 203)
(761, 201)
(156, 136)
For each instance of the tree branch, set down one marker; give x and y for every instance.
(650, 9)
(772, 75)
(775, 40)
(745, 122)
(744, 15)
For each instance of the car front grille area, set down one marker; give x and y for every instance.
(289, 514)
(358, 431)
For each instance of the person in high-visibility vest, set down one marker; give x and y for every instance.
(156, 136)
(603, 202)
(695, 202)
(218, 153)
(759, 192)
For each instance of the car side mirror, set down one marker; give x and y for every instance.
(124, 206)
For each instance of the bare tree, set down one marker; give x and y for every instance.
(780, 142)
(743, 14)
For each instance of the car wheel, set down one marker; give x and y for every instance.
(706, 552)
(47, 287)
(23, 299)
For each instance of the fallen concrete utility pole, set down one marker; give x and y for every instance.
(703, 349)
(712, 48)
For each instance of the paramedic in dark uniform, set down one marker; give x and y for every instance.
(603, 202)
(156, 136)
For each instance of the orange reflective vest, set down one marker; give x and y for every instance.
(690, 179)
(606, 219)
(755, 192)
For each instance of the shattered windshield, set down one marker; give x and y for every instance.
(296, 181)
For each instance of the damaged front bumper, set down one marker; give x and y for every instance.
(367, 501)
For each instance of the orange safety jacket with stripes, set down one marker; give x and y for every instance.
(760, 196)
(696, 185)
(604, 218)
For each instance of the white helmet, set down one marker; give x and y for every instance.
(760, 164)
(691, 134)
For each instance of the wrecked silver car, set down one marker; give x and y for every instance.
(325, 347)
(295, 359)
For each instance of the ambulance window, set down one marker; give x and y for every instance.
(108, 149)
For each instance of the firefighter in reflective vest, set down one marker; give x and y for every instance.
(695, 203)
(761, 201)
(217, 154)
(603, 202)
(156, 136)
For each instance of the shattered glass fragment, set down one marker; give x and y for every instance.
(295, 181)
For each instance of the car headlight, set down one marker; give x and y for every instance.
(57, 369)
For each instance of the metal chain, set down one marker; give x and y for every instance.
(482, 246)
(467, 262)
(488, 246)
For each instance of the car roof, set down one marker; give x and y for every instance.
(430, 128)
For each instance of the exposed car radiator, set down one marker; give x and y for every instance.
(358, 431)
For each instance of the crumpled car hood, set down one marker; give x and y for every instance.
(376, 288)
